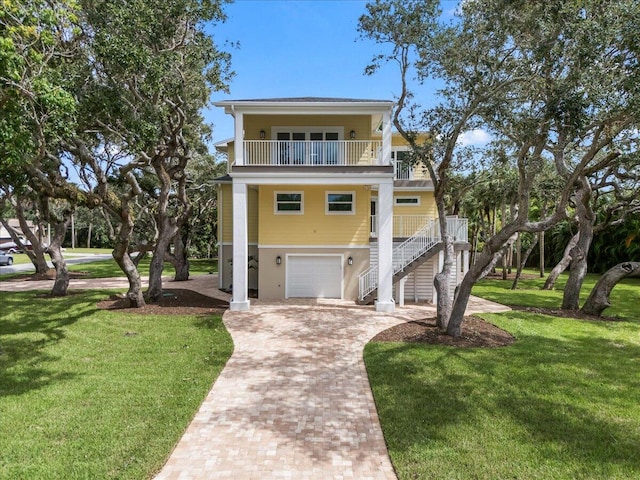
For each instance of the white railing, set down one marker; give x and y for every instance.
(405, 253)
(402, 170)
(458, 228)
(312, 153)
(412, 248)
(403, 225)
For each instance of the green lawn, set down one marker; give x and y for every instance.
(560, 403)
(109, 268)
(19, 258)
(86, 393)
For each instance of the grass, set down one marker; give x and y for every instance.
(560, 403)
(109, 268)
(87, 393)
(18, 258)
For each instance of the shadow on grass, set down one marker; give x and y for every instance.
(566, 399)
(29, 324)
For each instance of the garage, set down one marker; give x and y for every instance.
(314, 276)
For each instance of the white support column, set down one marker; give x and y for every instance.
(240, 297)
(385, 301)
(386, 138)
(400, 291)
(238, 149)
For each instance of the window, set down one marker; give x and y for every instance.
(288, 203)
(341, 203)
(406, 201)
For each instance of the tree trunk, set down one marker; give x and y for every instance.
(585, 216)
(523, 262)
(123, 259)
(485, 260)
(180, 258)
(37, 252)
(599, 297)
(61, 283)
(541, 242)
(562, 265)
(89, 235)
(154, 293)
(442, 279)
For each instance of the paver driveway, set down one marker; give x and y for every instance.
(294, 401)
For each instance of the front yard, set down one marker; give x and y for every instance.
(559, 403)
(89, 393)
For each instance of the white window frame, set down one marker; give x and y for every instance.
(406, 197)
(333, 192)
(287, 212)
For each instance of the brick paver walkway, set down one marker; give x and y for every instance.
(294, 401)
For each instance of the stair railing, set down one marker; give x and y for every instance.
(404, 254)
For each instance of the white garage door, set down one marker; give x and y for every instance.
(314, 276)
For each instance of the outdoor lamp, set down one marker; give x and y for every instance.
(278, 260)
(350, 260)
(262, 134)
(352, 134)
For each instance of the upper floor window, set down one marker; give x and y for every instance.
(407, 201)
(289, 203)
(341, 203)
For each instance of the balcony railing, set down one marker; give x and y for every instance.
(402, 170)
(312, 153)
(405, 226)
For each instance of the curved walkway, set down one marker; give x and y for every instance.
(293, 401)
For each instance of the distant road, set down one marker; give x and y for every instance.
(71, 260)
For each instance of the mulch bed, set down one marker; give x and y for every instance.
(175, 301)
(475, 333)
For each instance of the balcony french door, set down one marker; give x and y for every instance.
(308, 147)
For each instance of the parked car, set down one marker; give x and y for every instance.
(6, 259)
(11, 247)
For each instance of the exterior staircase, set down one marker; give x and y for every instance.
(407, 256)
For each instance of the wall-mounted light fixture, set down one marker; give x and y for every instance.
(352, 134)
(262, 134)
(350, 260)
(278, 260)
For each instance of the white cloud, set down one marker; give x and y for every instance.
(476, 137)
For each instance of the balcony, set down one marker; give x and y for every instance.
(312, 153)
(402, 170)
(405, 226)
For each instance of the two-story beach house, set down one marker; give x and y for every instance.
(318, 202)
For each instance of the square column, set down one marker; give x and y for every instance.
(385, 301)
(240, 296)
(238, 147)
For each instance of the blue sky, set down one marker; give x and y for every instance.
(295, 48)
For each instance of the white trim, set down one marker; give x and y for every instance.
(305, 178)
(228, 244)
(220, 232)
(288, 212)
(286, 270)
(337, 192)
(341, 247)
(407, 197)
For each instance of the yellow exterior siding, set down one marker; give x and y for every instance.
(361, 124)
(427, 204)
(225, 228)
(314, 226)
